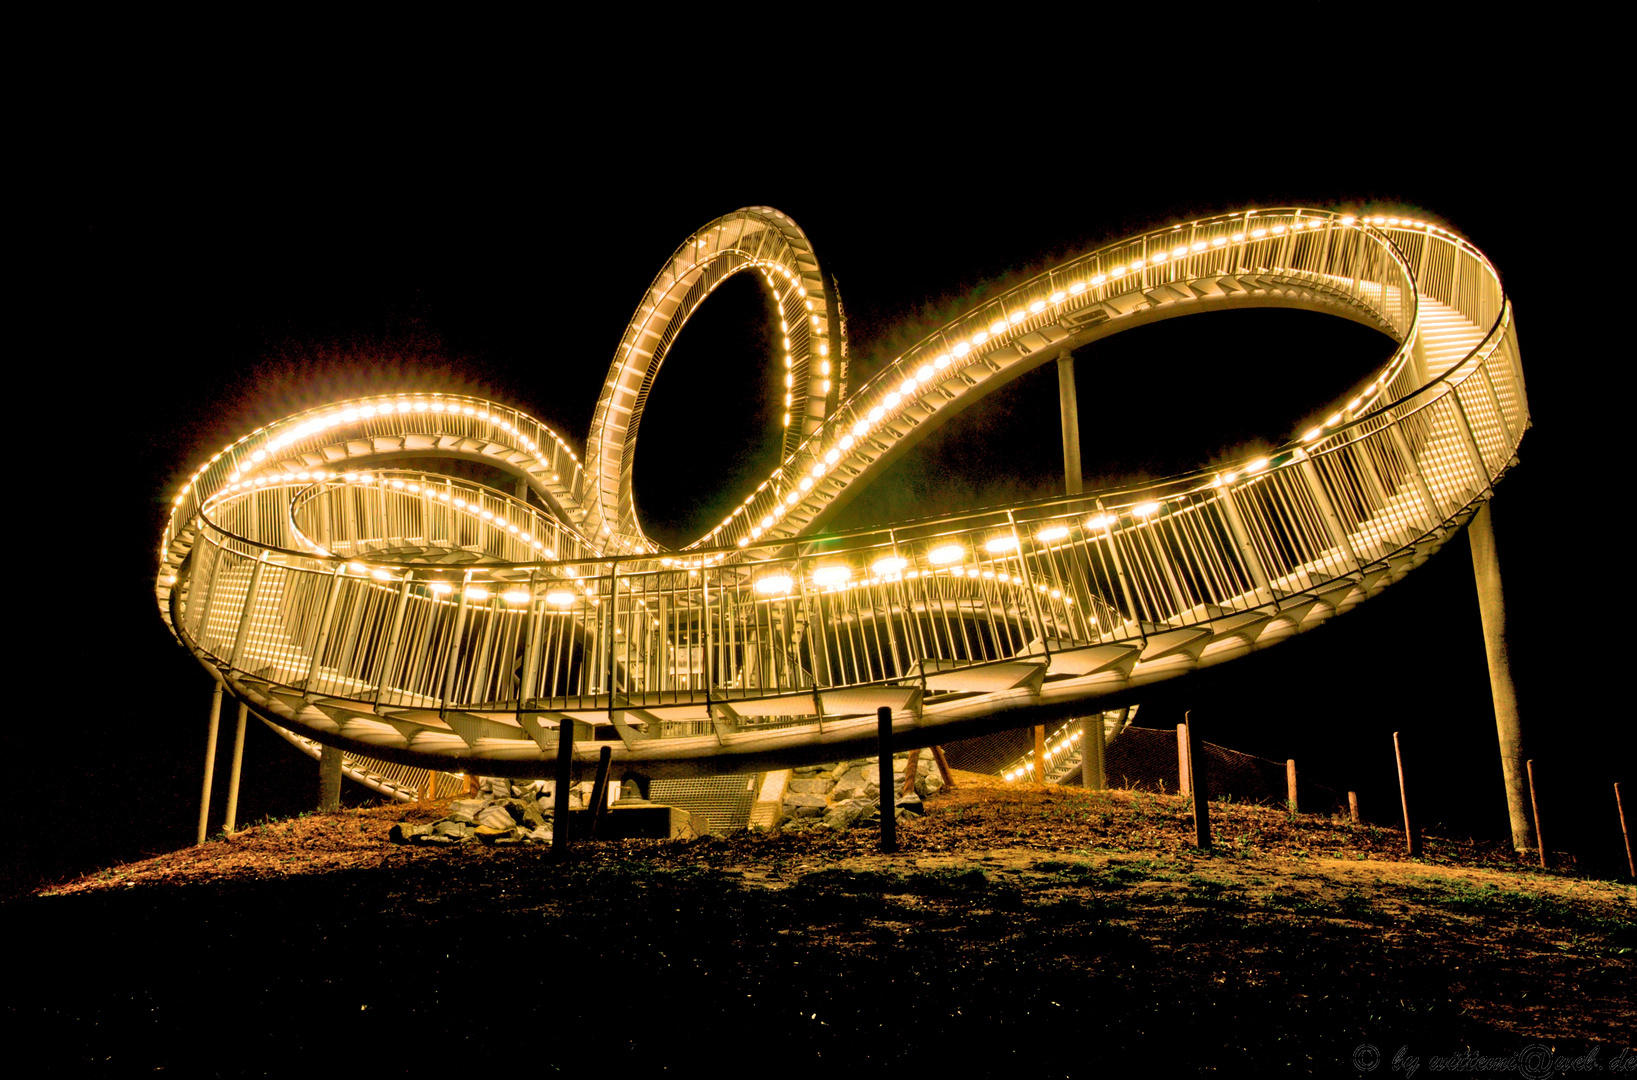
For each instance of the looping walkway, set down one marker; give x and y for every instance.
(417, 619)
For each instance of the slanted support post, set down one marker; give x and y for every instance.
(1486, 571)
(1069, 406)
(1201, 789)
(238, 763)
(1412, 835)
(210, 758)
(599, 790)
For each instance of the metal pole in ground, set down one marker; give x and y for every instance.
(1200, 785)
(1290, 785)
(599, 788)
(1040, 754)
(1534, 810)
(1412, 838)
(565, 773)
(883, 757)
(1183, 787)
(210, 758)
(1625, 833)
(233, 776)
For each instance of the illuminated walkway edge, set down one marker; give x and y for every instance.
(427, 621)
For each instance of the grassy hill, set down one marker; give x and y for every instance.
(1030, 930)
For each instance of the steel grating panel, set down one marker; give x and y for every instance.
(724, 800)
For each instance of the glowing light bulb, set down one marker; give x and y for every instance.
(888, 566)
(560, 598)
(515, 596)
(832, 575)
(943, 556)
(1055, 532)
(774, 584)
(1001, 544)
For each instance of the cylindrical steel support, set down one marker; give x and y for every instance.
(1069, 407)
(565, 777)
(1327, 511)
(329, 778)
(238, 763)
(210, 758)
(1241, 540)
(391, 656)
(1486, 571)
(883, 757)
(1091, 753)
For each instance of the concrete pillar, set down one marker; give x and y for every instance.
(1068, 405)
(329, 778)
(1092, 777)
(238, 763)
(1486, 570)
(210, 759)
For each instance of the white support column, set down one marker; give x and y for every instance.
(1486, 571)
(210, 758)
(1068, 405)
(233, 777)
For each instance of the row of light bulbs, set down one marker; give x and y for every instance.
(350, 413)
(913, 382)
(1023, 771)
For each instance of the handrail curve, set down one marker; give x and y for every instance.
(433, 622)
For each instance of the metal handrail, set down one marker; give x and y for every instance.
(1032, 584)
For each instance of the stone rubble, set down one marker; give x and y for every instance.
(847, 793)
(504, 813)
(835, 796)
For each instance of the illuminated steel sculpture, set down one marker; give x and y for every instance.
(430, 622)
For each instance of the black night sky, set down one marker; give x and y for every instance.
(215, 285)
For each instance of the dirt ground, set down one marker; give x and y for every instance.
(1033, 930)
